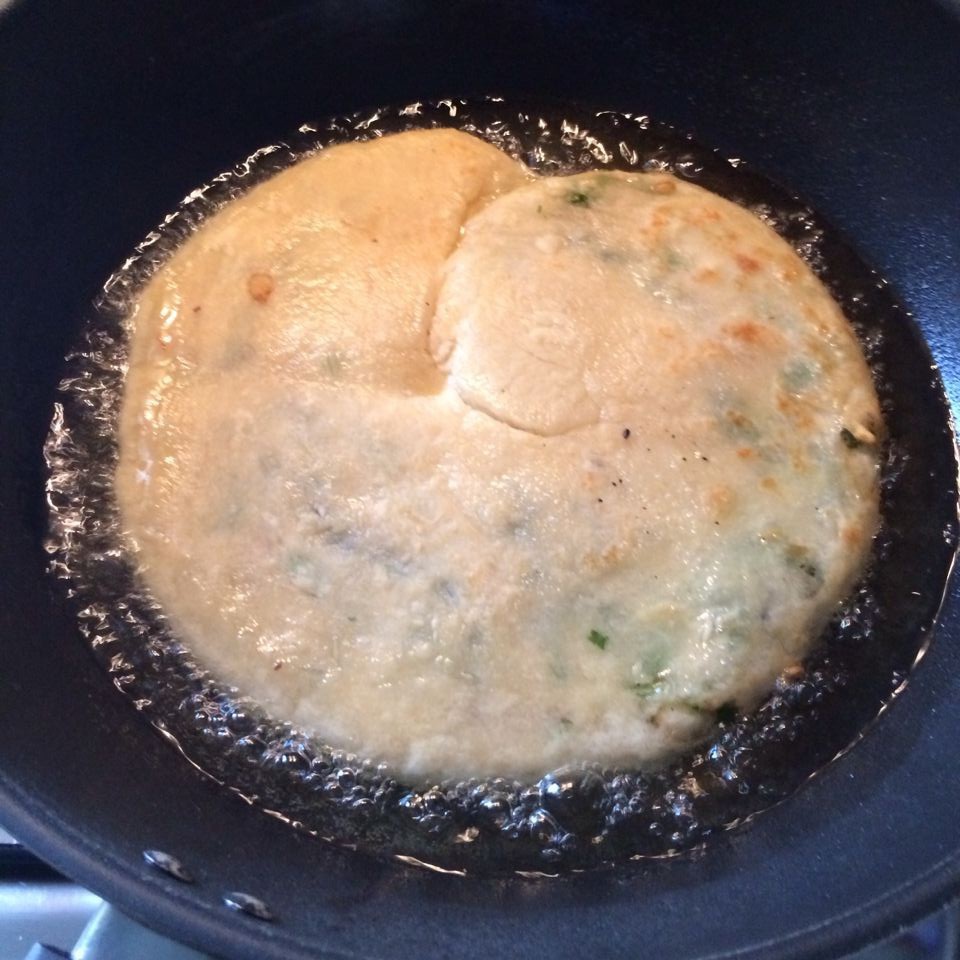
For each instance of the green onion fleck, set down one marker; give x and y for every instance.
(798, 375)
(578, 198)
(598, 639)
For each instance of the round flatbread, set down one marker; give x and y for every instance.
(479, 473)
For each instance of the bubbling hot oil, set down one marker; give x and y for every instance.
(580, 816)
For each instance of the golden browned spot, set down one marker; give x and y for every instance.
(706, 275)
(590, 480)
(260, 286)
(746, 453)
(660, 218)
(746, 331)
(739, 420)
(768, 483)
(663, 186)
(788, 272)
(609, 557)
(746, 264)
(698, 216)
(721, 500)
(794, 409)
(852, 536)
(820, 350)
(716, 349)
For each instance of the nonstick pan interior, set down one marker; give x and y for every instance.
(585, 815)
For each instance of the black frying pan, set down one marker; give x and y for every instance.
(109, 114)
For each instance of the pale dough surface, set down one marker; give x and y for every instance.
(479, 473)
